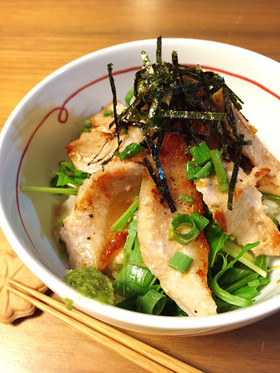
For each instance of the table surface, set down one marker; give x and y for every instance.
(36, 38)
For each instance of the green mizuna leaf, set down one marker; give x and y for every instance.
(132, 150)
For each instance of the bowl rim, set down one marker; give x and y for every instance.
(251, 314)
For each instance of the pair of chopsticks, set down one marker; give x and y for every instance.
(145, 356)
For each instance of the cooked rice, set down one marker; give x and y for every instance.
(272, 209)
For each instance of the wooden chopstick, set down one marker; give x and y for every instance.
(130, 354)
(140, 353)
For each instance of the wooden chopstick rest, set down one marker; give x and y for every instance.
(12, 306)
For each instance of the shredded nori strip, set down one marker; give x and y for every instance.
(172, 98)
(238, 155)
(175, 58)
(162, 187)
(192, 115)
(96, 159)
(114, 92)
(147, 63)
(159, 50)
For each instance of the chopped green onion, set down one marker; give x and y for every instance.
(185, 198)
(195, 221)
(87, 126)
(170, 234)
(151, 303)
(201, 153)
(132, 150)
(129, 96)
(182, 220)
(191, 170)
(122, 221)
(219, 169)
(195, 172)
(108, 113)
(206, 170)
(133, 278)
(180, 261)
(200, 221)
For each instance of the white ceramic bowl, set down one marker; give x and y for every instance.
(33, 140)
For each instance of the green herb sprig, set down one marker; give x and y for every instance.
(67, 181)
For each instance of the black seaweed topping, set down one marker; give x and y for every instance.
(159, 51)
(166, 94)
(238, 155)
(161, 185)
(114, 92)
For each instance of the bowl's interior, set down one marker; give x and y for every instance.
(33, 141)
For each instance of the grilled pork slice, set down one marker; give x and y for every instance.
(246, 222)
(189, 290)
(101, 120)
(256, 152)
(101, 200)
(259, 156)
(93, 148)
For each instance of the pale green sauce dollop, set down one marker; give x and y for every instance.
(91, 283)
